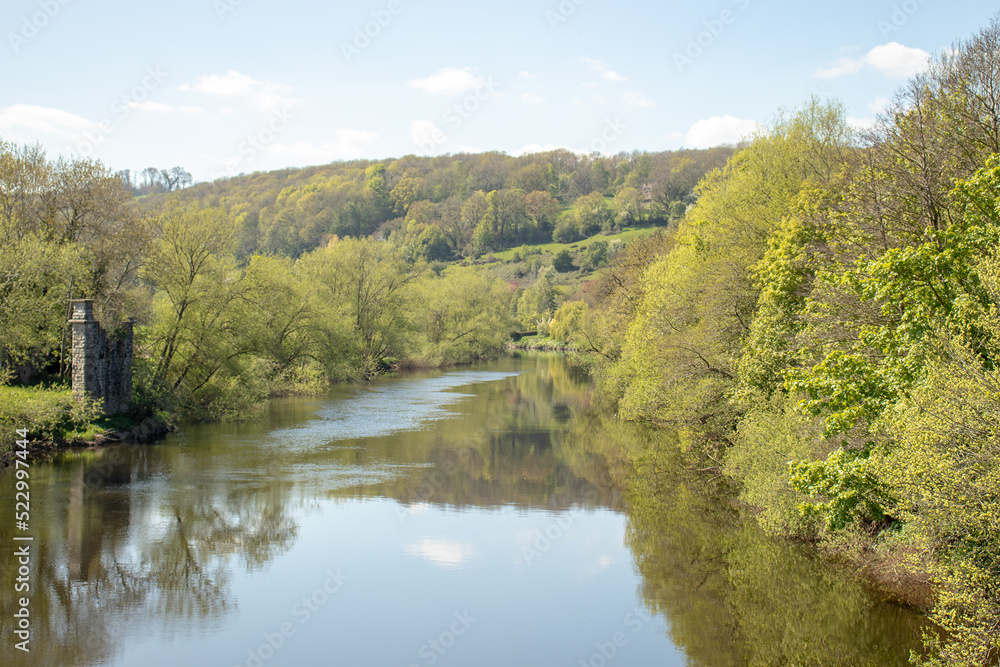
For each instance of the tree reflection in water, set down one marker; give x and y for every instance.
(133, 538)
(114, 546)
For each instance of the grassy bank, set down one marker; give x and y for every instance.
(53, 419)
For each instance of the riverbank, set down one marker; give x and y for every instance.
(516, 475)
(542, 344)
(49, 419)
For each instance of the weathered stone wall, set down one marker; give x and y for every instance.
(102, 365)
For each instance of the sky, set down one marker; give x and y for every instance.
(223, 87)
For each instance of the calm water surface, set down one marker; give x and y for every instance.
(469, 517)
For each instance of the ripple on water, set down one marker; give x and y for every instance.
(381, 410)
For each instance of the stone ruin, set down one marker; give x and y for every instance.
(102, 364)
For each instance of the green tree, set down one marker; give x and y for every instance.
(701, 297)
(362, 292)
(628, 207)
(461, 316)
(536, 304)
(196, 282)
(562, 261)
(593, 214)
(432, 244)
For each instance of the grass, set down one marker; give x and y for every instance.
(50, 415)
(508, 255)
(628, 234)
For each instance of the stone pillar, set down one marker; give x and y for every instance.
(87, 351)
(102, 368)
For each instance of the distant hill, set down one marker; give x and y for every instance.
(454, 205)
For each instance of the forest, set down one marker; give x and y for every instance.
(814, 313)
(277, 283)
(454, 206)
(823, 329)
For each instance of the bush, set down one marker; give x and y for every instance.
(562, 261)
(49, 415)
(566, 231)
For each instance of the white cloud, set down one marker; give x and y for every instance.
(346, 146)
(230, 84)
(530, 98)
(606, 74)
(860, 123)
(270, 103)
(426, 135)
(160, 107)
(261, 95)
(892, 59)
(637, 100)
(718, 130)
(527, 75)
(449, 554)
(840, 68)
(895, 60)
(27, 123)
(448, 82)
(879, 104)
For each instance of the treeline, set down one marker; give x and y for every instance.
(218, 331)
(824, 327)
(151, 180)
(456, 205)
(281, 282)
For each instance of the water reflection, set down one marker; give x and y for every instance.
(496, 490)
(732, 595)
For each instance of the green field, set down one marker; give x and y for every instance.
(625, 236)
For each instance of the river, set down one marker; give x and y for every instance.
(477, 517)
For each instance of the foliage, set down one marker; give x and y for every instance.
(535, 307)
(480, 202)
(460, 317)
(852, 492)
(562, 261)
(824, 329)
(49, 415)
(568, 320)
(68, 229)
(686, 335)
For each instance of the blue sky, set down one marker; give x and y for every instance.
(228, 86)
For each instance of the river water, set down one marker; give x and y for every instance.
(476, 517)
